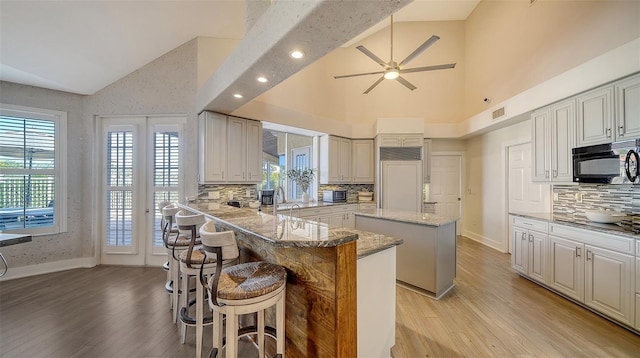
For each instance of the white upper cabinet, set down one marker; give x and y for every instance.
(400, 140)
(628, 108)
(212, 147)
(335, 160)
(595, 116)
(230, 149)
(553, 139)
(363, 161)
(610, 113)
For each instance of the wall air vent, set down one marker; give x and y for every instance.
(498, 113)
(400, 153)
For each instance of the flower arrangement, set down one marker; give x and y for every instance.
(302, 177)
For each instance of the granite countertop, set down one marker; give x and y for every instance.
(408, 217)
(621, 230)
(286, 231)
(14, 239)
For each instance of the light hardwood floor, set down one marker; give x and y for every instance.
(110, 311)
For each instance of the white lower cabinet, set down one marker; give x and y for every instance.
(567, 268)
(335, 215)
(609, 283)
(596, 269)
(529, 240)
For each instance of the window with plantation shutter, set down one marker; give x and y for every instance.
(32, 170)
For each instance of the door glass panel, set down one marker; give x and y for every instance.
(166, 178)
(119, 185)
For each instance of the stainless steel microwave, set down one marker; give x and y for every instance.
(334, 196)
(612, 163)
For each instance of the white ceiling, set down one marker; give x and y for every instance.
(83, 46)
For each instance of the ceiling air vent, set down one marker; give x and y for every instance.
(498, 113)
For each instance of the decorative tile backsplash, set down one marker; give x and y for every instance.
(574, 200)
(206, 192)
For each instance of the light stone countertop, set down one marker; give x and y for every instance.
(285, 231)
(408, 217)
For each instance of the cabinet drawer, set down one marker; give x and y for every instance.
(638, 278)
(595, 238)
(530, 224)
(342, 208)
(314, 212)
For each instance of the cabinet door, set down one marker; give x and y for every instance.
(344, 153)
(628, 108)
(213, 147)
(237, 149)
(349, 221)
(537, 263)
(567, 267)
(390, 141)
(519, 253)
(541, 151)
(412, 141)
(254, 152)
(426, 161)
(563, 118)
(595, 117)
(362, 161)
(609, 283)
(334, 159)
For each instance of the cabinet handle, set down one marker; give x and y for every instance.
(588, 254)
(608, 132)
(530, 238)
(524, 236)
(546, 174)
(578, 252)
(621, 131)
(555, 173)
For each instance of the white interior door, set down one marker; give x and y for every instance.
(140, 159)
(445, 186)
(524, 194)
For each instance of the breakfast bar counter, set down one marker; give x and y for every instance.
(324, 263)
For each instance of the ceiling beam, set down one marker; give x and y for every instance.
(315, 27)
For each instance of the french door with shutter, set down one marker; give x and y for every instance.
(140, 167)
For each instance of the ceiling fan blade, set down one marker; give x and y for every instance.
(406, 83)
(428, 68)
(359, 74)
(374, 84)
(420, 49)
(370, 54)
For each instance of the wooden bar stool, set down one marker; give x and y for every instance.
(242, 289)
(175, 242)
(193, 262)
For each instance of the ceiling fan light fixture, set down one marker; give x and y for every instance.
(391, 74)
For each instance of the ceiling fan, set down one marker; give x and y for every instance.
(393, 70)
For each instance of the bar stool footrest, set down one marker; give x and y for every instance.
(191, 321)
(169, 286)
(246, 331)
(165, 266)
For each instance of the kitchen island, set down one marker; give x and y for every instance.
(324, 317)
(427, 261)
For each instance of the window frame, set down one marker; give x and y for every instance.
(59, 119)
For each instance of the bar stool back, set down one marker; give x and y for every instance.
(246, 288)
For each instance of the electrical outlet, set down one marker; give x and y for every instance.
(555, 196)
(578, 197)
(247, 193)
(214, 195)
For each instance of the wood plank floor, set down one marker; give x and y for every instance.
(110, 311)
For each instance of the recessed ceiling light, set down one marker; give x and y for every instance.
(262, 79)
(297, 54)
(237, 95)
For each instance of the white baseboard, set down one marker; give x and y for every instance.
(485, 241)
(48, 267)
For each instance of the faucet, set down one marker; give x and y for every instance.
(291, 209)
(279, 190)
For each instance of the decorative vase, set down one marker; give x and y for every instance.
(305, 197)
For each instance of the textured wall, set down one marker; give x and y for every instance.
(68, 245)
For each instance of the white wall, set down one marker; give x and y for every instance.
(68, 245)
(485, 210)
